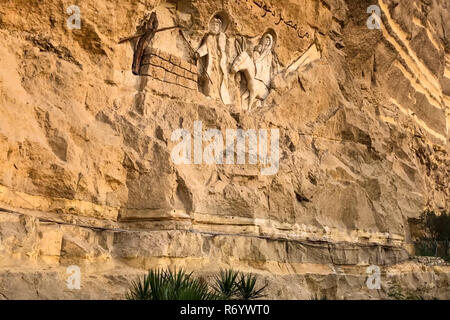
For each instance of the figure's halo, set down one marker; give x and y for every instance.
(274, 36)
(224, 17)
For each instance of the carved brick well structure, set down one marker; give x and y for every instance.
(168, 68)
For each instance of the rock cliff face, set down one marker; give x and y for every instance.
(88, 176)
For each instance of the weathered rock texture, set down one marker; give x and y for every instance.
(86, 176)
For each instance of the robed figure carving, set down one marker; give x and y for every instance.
(265, 61)
(259, 69)
(214, 62)
(262, 66)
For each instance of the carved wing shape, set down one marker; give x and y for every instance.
(310, 55)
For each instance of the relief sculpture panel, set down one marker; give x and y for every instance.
(234, 69)
(213, 59)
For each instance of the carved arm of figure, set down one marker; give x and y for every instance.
(257, 52)
(202, 51)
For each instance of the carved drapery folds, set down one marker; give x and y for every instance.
(214, 66)
(258, 68)
(219, 58)
(231, 68)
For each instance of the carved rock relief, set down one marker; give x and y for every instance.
(168, 68)
(231, 68)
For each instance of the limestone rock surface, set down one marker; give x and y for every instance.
(86, 172)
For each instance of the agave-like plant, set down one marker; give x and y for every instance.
(169, 285)
(246, 288)
(319, 297)
(225, 284)
(396, 292)
(140, 290)
(179, 285)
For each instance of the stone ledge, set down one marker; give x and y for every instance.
(430, 261)
(56, 206)
(56, 243)
(286, 281)
(77, 212)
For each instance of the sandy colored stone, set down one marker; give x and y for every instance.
(86, 175)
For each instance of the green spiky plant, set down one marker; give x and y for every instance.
(396, 292)
(318, 297)
(438, 228)
(246, 288)
(140, 290)
(169, 285)
(225, 284)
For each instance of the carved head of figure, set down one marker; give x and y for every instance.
(215, 26)
(257, 51)
(266, 42)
